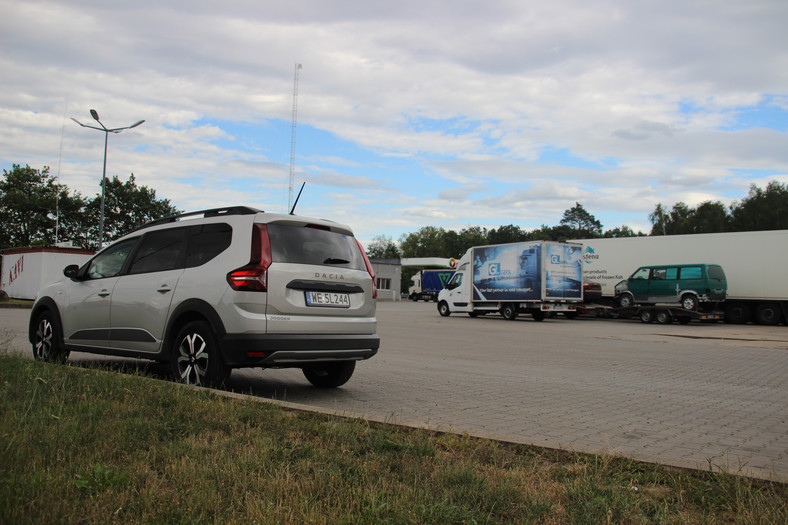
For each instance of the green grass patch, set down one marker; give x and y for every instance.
(87, 446)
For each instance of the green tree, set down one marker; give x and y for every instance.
(621, 231)
(126, 207)
(507, 234)
(762, 209)
(710, 217)
(383, 247)
(583, 224)
(30, 200)
(428, 241)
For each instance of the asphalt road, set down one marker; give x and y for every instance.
(699, 396)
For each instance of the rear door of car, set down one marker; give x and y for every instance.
(318, 281)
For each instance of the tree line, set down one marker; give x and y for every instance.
(36, 210)
(762, 209)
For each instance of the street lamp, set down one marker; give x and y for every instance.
(107, 131)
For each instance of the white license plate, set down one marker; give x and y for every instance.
(332, 299)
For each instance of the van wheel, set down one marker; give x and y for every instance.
(768, 314)
(664, 317)
(196, 359)
(443, 309)
(646, 316)
(626, 301)
(46, 341)
(689, 302)
(330, 375)
(509, 312)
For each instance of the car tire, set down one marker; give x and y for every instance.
(330, 375)
(196, 359)
(443, 309)
(689, 302)
(47, 343)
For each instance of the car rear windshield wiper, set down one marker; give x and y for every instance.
(332, 260)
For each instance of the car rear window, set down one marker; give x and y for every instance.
(206, 242)
(309, 245)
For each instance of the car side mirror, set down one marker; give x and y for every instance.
(71, 271)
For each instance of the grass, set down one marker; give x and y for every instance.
(86, 446)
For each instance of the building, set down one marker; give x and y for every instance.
(388, 278)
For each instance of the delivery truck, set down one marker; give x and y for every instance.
(539, 278)
(426, 284)
(754, 264)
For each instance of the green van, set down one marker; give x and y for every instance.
(686, 284)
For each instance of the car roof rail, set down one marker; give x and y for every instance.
(214, 212)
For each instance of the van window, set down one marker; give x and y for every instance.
(672, 274)
(716, 273)
(692, 272)
(641, 274)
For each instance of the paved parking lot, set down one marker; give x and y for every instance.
(696, 396)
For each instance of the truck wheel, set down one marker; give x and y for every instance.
(738, 313)
(509, 312)
(473, 314)
(768, 314)
(664, 317)
(646, 316)
(538, 315)
(443, 309)
(570, 315)
(626, 301)
(689, 302)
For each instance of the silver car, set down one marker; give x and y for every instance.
(219, 289)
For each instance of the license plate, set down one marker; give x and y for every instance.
(335, 300)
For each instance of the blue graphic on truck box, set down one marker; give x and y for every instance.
(507, 273)
(563, 271)
(435, 280)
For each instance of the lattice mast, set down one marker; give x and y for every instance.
(293, 136)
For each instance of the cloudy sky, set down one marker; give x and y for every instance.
(448, 113)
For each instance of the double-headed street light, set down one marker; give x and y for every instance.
(107, 131)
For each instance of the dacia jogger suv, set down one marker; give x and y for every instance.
(213, 290)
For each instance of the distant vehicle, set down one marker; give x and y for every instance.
(690, 285)
(219, 289)
(426, 284)
(754, 264)
(539, 278)
(591, 291)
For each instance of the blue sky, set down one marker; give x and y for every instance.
(410, 114)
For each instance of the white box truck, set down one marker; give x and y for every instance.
(538, 277)
(754, 264)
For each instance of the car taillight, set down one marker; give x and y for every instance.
(371, 272)
(254, 277)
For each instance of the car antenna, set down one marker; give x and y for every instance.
(298, 197)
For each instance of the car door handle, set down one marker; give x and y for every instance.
(103, 293)
(164, 288)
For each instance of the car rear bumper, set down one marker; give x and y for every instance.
(295, 350)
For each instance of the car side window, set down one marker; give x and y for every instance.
(206, 242)
(641, 274)
(160, 251)
(692, 272)
(110, 262)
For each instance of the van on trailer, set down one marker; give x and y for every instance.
(687, 284)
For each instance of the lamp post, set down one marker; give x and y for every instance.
(107, 131)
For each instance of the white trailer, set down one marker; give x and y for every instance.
(537, 277)
(754, 264)
(26, 270)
